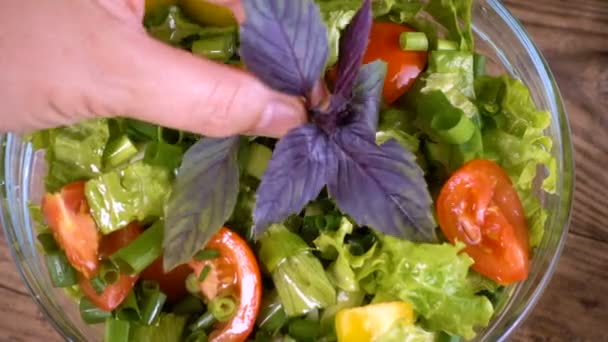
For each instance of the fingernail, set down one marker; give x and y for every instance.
(279, 117)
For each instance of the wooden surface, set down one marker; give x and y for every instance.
(573, 36)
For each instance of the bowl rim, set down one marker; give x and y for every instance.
(567, 176)
(567, 179)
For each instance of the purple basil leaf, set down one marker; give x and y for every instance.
(380, 186)
(284, 43)
(203, 198)
(298, 170)
(367, 94)
(353, 44)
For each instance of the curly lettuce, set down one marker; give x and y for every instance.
(137, 192)
(514, 137)
(74, 152)
(434, 278)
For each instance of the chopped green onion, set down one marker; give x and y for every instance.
(304, 329)
(313, 209)
(141, 131)
(206, 254)
(294, 222)
(90, 313)
(413, 41)
(220, 48)
(119, 151)
(164, 155)
(298, 275)
(272, 317)
(197, 336)
(278, 244)
(204, 273)
(479, 65)
(192, 284)
(188, 306)
(152, 306)
(204, 322)
(98, 284)
(129, 309)
(222, 308)
(443, 44)
(61, 272)
(259, 156)
(169, 136)
(48, 243)
(149, 287)
(143, 251)
(116, 330)
(109, 272)
(453, 128)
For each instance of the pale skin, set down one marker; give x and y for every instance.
(64, 61)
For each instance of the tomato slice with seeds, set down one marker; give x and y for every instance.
(234, 272)
(114, 294)
(403, 67)
(480, 207)
(67, 214)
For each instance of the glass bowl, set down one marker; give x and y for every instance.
(509, 49)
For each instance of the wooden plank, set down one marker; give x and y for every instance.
(574, 306)
(573, 36)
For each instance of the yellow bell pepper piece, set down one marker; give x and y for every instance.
(207, 14)
(364, 324)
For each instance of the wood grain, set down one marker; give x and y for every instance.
(573, 36)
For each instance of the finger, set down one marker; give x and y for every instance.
(174, 88)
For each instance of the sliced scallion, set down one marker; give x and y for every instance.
(413, 41)
(61, 272)
(222, 308)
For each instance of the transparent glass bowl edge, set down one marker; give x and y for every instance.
(522, 297)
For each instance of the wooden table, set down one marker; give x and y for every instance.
(573, 36)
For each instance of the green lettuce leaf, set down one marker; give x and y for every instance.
(397, 124)
(457, 64)
(434, 278)
(332, 246)
(455, 16)
(515, 139)
(445, 111)
(406, 333)
(170, 328)
(137, 192)
(74, 152)
(337, 14)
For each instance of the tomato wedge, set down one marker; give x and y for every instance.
(172, 283)
(113, 294)
(480, 207)
(403, 67)
(235, 271)
(67, 214)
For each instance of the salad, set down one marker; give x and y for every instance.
(400, 212)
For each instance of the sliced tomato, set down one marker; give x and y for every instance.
(172, 283)
(67, 214)
(403, 67)
(113, 294)
(480, 207)
(234, 272)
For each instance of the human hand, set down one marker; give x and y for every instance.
(68, 60)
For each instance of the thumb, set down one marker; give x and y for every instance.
(174, 88)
